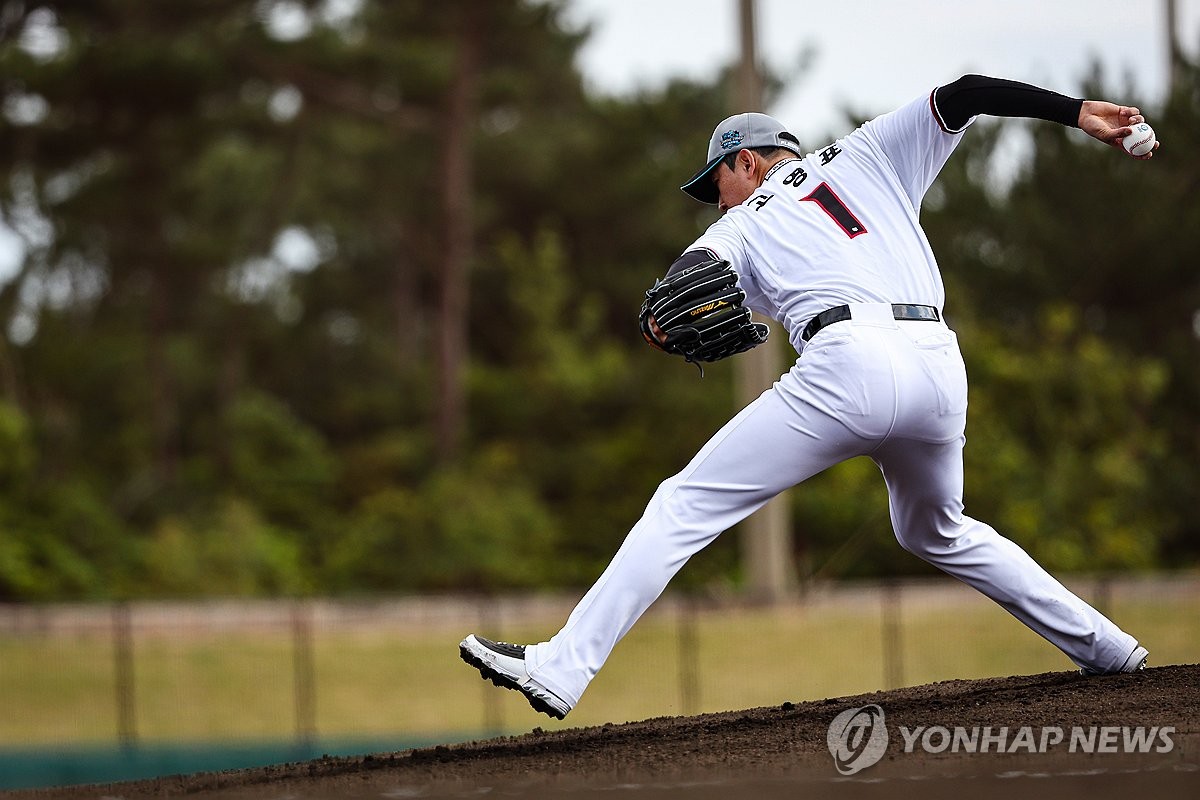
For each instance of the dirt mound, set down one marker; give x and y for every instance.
(782, 750)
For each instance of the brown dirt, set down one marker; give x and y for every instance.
(778, 751)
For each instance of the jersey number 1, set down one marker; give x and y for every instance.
(832, 205)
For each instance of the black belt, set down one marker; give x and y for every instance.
(841, 313)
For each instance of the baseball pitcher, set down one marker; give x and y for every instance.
(830, 244)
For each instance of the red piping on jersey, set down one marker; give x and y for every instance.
(937, 116)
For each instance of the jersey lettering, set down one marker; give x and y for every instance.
(831, 204)
(760, 201)
(829, 152)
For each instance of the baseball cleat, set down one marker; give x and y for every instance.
(504, 665)
(1135, 662)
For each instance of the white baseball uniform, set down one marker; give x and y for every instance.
(837, 227)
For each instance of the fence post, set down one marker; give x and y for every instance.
(689, 654)
(304, 667)
(493, 710)
(122, 627)
(893, 663)
(1103, 602)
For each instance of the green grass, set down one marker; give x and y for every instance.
(409, 683)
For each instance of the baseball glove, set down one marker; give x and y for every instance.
(700, 312)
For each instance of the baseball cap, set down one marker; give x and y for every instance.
(739, 132)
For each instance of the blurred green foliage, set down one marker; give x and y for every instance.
(217, 374)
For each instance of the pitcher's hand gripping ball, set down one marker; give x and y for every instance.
(698, 314)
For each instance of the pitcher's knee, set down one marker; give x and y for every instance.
(931, 536)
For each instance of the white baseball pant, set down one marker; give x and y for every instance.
(893, 391)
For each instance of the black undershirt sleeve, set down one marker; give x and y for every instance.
(690, 259)
(955, 103)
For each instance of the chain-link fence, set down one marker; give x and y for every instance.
(384, 673)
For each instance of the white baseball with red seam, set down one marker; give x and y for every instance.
(1141, 141)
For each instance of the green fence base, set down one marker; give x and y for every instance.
(49, 766)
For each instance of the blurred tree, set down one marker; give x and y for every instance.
(250, 225)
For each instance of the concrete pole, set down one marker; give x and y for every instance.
(766, 537)
(1174, 51)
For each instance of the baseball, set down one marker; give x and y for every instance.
(1141, 141)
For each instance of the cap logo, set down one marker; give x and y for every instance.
(731, 139)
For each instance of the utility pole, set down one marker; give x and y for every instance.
(457, 233)
(1174, 51)
(766, 537)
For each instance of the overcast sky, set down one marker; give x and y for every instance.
(877, 54)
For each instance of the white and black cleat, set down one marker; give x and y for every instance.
(1135, 663)
(504, 665)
